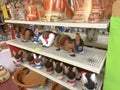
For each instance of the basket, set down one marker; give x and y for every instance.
(4, 74)
(29, 79)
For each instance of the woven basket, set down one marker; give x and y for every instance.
(29, 79)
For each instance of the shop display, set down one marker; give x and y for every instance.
(54, 10)
(53, 63)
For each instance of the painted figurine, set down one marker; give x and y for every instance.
(36, 36)
(31, 9)
(88, 10)
(26, 35)
(58, 67)
(70, 45)
(38, 61)
(89, 81)
(49, 66)
(71, 75)
(17, 58)
(56, 10)
(30, 60)
(47, 38)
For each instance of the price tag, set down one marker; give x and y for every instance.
(37, 49)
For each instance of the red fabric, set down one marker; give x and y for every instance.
(12, 48)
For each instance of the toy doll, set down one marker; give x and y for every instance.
(49, 66)
(18, 58)
(30, 60)
(47, 38)
(71, 75)
(58, 69)
(89, 81)
(38, 61)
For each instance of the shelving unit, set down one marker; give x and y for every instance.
(92, 60)
(82, 61)
(78, 85)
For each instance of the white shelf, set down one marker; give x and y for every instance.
(81, 61)
(63, 81)
(102, 25)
